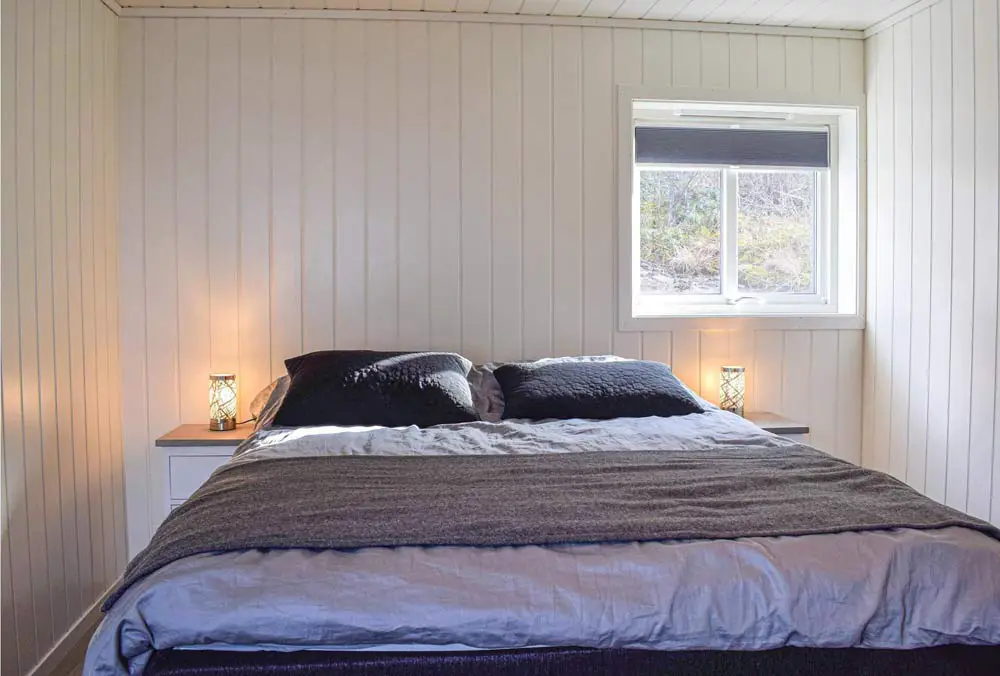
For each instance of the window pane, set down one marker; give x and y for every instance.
(775, 231)
(679, 231)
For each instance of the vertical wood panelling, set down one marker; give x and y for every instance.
(476, 184)
(849, 388)
(60, 307)
(799, 64)
(871, 297)
(445, 172)
(933, 214)
(881, 255)
(133, 295)
(686, 59)
(685, 354)
(285, 134)
(223, 72)
(160, 235)
(62, 447)
(963, 251)
(628, 70)
(598, 199)
(986, 261)
(939, 375)
(920, 319)
(714, 350)
(767, 373)
(536, 185)
(457, 192)
(715, 60)
(824, 355)
(507, 221)
(191, 204)
(901, 235)
(382, 180)
(796, 374)
(743, 62)
(771, 62)
(567, 142)
(255, 110)
(12, 615)
(657, 58)
(318, 193)
(414, 187)
(349, 182)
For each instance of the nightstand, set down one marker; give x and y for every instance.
(783, 427)
(189, 454)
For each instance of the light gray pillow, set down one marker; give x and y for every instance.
(267, 402)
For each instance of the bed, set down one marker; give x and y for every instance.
(435, 568)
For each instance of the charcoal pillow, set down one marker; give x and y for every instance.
(362, 387)
(602, 390)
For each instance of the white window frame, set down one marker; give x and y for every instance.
(837, 301)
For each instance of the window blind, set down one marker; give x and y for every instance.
(754, 147)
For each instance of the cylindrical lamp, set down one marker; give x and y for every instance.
(732, 387)
(221, 401)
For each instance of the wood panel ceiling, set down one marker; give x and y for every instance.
(844, 14)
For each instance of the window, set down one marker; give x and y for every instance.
(734, 210)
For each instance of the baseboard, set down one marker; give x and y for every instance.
(69, 650)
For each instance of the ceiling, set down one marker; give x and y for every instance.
(846, 14)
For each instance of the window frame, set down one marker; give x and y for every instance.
(837, 301)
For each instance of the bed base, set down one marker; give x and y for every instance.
(938, 661)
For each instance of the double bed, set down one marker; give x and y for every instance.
(692, 543)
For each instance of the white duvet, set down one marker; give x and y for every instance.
(888, 589)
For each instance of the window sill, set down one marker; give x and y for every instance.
(742, 322)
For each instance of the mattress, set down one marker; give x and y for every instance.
(887, 589)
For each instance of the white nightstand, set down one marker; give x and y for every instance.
(189, 454)
(783, 427)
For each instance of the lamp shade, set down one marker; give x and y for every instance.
(732, 387)
(221, 401)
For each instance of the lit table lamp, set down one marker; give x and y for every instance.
(221, 401)
(732, 387)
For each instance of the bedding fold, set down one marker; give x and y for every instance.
(353, 502)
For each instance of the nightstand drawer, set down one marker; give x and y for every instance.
(187, 472)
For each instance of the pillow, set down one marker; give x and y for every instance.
(266, 403)
(601, 390)
(362, 387)
(486, 392)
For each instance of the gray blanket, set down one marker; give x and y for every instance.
(357, 501)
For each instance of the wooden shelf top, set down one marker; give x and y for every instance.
(200, 435)
(776, 424)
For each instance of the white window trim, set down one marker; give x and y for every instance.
(844, 241)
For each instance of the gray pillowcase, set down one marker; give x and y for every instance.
(267, 402)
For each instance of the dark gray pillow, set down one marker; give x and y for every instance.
(362, 387)
(602, 390)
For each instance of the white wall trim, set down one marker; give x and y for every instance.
(901, 15)
(466, 17)
(115, 8)
(78, 633)
(745, 323)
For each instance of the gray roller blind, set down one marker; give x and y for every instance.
(757, 147)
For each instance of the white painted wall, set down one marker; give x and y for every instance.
(63, 497)
(931, 382)
(292, 185)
